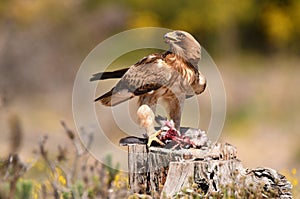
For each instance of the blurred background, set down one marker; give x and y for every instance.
(255, 45)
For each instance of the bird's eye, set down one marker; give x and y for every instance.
(180, 35)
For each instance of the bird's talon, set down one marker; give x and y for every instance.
(153, 137)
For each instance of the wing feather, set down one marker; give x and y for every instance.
(147, 75)
(144, 78)
(109, 75)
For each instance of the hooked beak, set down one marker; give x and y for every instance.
(170, 36)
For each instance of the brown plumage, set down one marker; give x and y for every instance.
(172, 75)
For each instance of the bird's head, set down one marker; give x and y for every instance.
(184, 45)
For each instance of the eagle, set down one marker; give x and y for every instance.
(172, 76)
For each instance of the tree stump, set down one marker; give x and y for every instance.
(207, 172)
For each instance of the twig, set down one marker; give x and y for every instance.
(15, 170)
(51, 165)
(80, 150)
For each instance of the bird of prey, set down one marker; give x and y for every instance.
(172, 76)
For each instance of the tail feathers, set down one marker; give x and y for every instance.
(113, 98)
(109, 75)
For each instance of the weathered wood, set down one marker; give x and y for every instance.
(208, 175)
(148, 169)
(211, 170)
(138, 168)
(178, 177)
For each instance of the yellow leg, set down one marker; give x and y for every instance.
(153, 137)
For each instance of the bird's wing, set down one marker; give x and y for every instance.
(109, 75)
(147, 75)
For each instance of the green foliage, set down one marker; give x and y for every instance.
(112, 171)
(66, 195)
(24, 189)
(78, 189)
(91, 194)
(253, 24)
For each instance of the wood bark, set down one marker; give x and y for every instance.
(211, 170)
